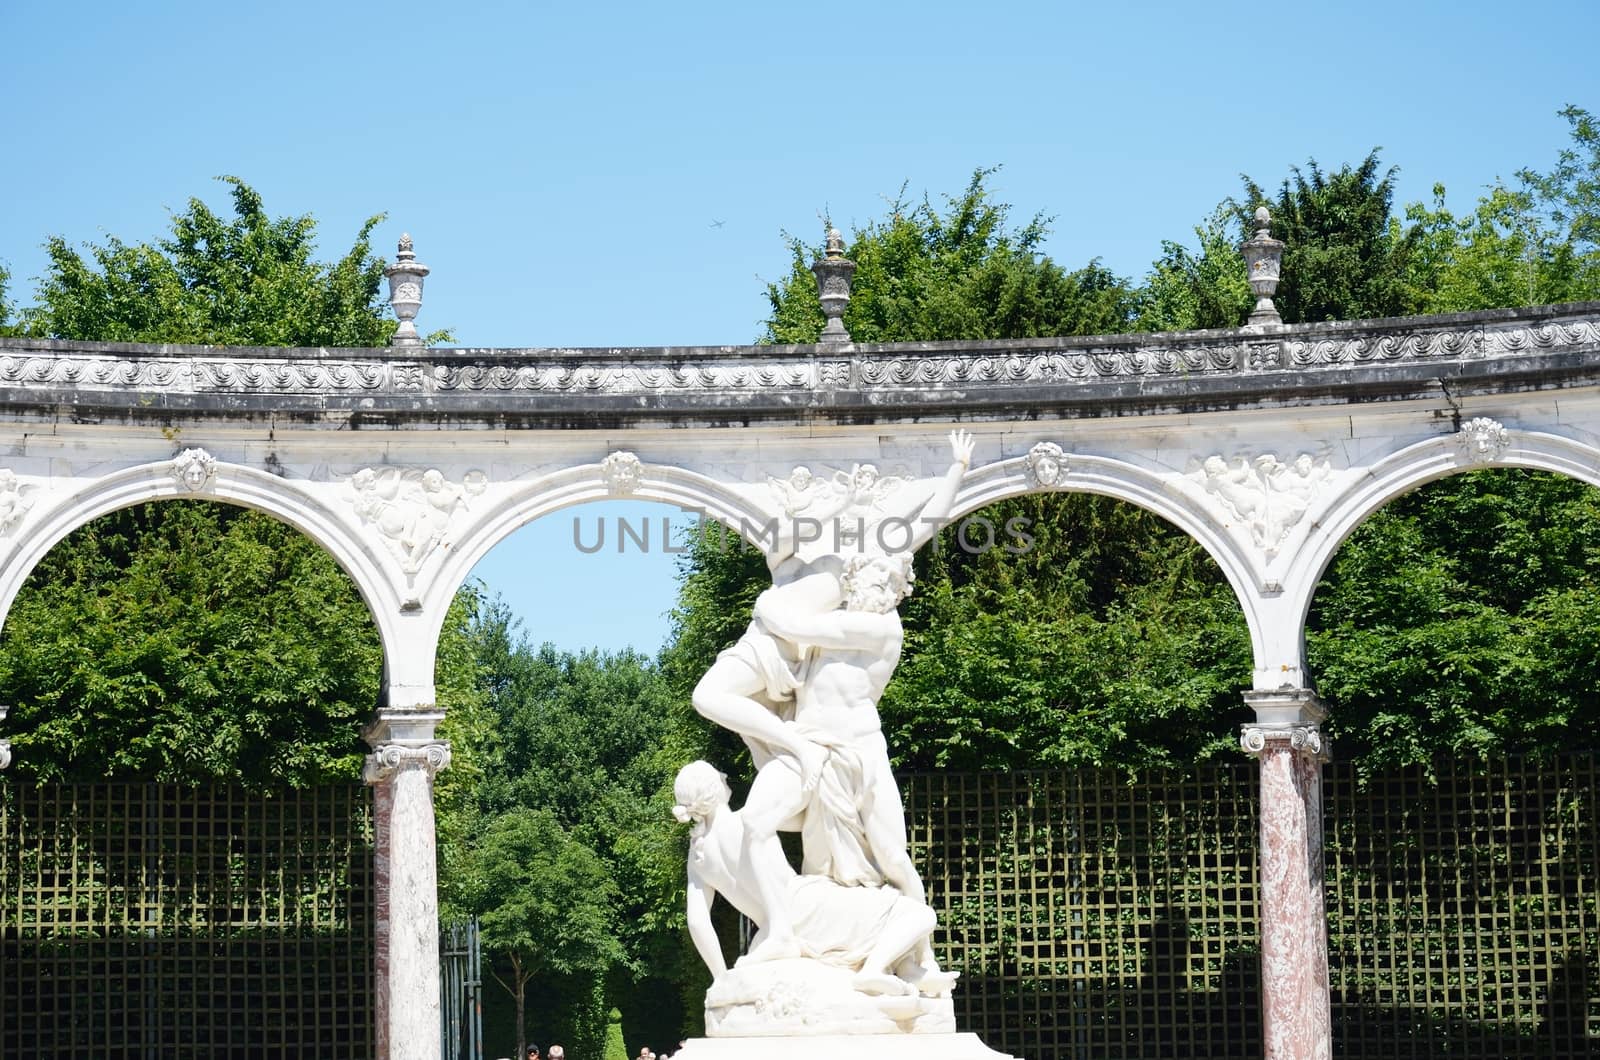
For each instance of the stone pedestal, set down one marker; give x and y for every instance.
(843, 1047)
(806, 1008)
(407, 916)
(809, 998)
(1295, 1014)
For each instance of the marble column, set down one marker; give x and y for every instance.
(1296, 1020)
(401, 769)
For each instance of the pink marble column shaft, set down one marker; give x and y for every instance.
(1295, 1015)
(382, 811)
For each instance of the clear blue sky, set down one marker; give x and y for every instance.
(561, 165)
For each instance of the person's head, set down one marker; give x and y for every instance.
(864, 479)
(533, 1052)
(700, 790)
(876, 583)
(557, 1053)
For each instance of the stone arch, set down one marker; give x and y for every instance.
(1127, 482)
(1405, 470)
(566, 488)
(229, 483)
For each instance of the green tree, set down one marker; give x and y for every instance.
(1209, 289)
(546, 908)
(185, 641)
(960, 273)
(189, 642)
(246, 281)
(1342, 259)
(580, 736)
(1532, 243)
(1461, 620)
(5, 303)
(1091, 634)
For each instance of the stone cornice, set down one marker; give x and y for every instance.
(1349, 361)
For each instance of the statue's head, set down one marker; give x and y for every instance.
(877, 583)
(700, 789)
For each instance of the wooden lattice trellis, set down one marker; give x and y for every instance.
(1097, 915)
(144, 919)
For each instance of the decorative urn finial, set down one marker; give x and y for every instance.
(405, 292)
(1263, 257)
(833, 272)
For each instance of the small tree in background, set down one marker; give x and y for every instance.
(544, 902)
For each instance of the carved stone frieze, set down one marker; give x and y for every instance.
(286, 376)
(833, 375)
(1482, 440)
(194, 469)
(1049, 367)
(155, 370)
(14, 503)
(863, 488)
(410, 507)
(622, 472)
(1046, 465)
(1370, 348)
(389, 759)
(1265, 494)
(1305, 739)
(1525, 339)
(622, 378)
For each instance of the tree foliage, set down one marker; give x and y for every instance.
(1461, 619)
(5, 302)
(1342, 258)
(1208, 288)
(188, 641)
(1100, 636)
(960, 273)
(199, 642)
(577, 739)
(245, 281)
(545, 904)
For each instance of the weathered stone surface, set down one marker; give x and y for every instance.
(729, 385)
(843, 1047)
(810, 999)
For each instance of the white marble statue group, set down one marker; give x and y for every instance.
(843, 945)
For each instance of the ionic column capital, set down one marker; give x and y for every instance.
(1301, 739)
(389, 759)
